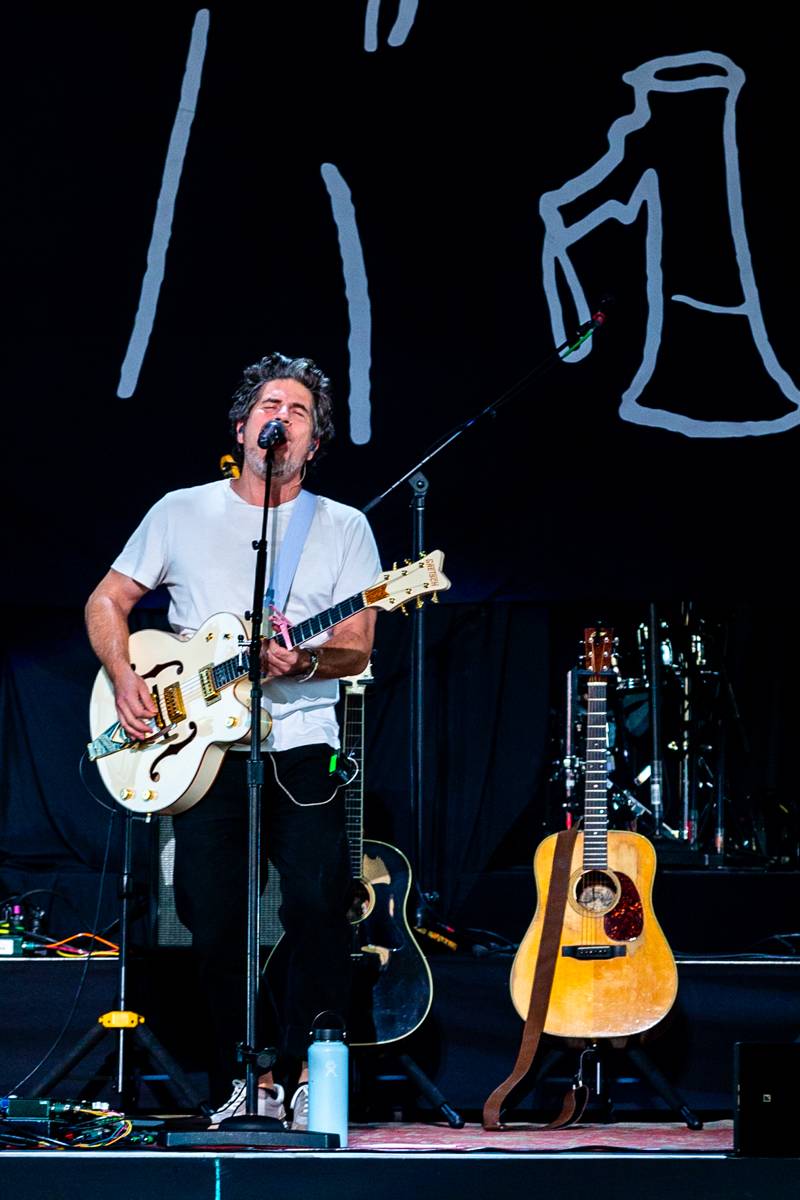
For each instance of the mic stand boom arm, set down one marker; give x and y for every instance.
(419, 486)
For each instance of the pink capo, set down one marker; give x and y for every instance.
(280, 623)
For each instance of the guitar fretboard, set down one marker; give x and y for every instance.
(236, 668)
(353, 745)
(595, 819)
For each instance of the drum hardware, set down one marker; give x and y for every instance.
(665, 736)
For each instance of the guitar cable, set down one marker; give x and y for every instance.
(84, 759)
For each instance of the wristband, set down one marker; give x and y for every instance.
(312, 670)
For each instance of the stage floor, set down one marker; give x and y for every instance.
(430, 1161)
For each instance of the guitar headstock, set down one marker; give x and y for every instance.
(356, 685)
(423, 577)
(598, 650)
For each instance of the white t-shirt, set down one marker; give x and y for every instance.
(198, 543)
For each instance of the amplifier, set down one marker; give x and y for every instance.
(171, 930)
(764, 1116)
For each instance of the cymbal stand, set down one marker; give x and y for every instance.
(689, 815)
(656, 765)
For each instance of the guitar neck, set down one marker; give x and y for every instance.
(595, 819)
(238, 667)
(353, 745)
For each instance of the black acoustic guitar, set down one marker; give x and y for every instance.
(392, 986)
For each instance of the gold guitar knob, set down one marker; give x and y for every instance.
(231, 722)
(149, 795)
(126, 794)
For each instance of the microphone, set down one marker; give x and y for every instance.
(272, 434)
(596, 321)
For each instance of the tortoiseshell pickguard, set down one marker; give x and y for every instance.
(626, 919)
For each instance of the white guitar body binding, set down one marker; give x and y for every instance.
(183, 760)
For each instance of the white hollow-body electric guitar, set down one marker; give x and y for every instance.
(200, 689)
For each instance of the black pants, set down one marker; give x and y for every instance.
(304, 836)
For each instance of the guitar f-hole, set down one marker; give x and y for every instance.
(174, 748)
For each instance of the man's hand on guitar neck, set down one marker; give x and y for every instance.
(346, 652)
(277, 662)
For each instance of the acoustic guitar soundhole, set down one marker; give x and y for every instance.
(596, 891)
(360, 901)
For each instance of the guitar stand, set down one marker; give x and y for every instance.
(426, 1087)
(593, 1058)
(127, 1026)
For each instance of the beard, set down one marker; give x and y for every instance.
(285, 468)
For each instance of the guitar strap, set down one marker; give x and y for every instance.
(284, 565)
(540, 990)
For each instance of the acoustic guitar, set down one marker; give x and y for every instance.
(200, 690)
(615, 974)
(392, 987)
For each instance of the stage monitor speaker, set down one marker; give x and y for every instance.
(765, 1116)
(171, 930)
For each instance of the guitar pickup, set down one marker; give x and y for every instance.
(210, 692)
(586, 953)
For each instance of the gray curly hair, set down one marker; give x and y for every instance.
(279, 366)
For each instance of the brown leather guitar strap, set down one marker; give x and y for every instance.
(541, 986)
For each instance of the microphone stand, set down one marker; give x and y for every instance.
(255, 782)
(419, 486)
(250, 1128)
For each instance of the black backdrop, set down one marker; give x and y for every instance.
(446, 124)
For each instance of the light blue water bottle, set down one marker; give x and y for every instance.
(328, 1076)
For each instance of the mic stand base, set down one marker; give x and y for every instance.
(252, 1124)
(209, 1138)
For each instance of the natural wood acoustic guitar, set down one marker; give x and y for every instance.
(615, 974)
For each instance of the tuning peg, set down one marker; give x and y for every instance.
(420, 602)
(404, 610)
(435, 598)
(407, 561)
(394, 566)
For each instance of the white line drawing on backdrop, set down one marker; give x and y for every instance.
(406, 12)
(358, 305)
(714, 71)
(165, 208)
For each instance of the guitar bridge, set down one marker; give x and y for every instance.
(173, 702)
(587, 953)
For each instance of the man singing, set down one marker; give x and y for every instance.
(198, 543)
